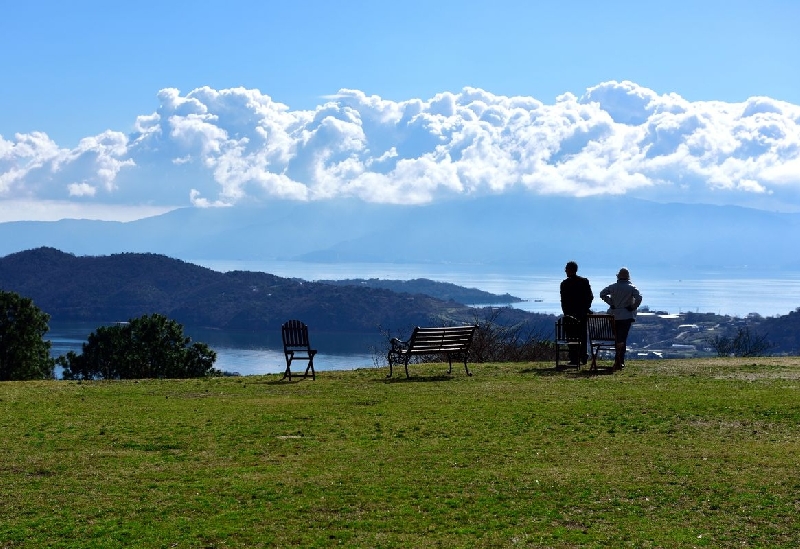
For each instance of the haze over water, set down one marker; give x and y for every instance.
(731, 292)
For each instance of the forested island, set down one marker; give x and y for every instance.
(440, 290)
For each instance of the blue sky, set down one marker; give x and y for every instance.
(96, 98)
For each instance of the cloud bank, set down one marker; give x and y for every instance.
(237, 146)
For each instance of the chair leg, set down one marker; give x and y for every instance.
(288, 371)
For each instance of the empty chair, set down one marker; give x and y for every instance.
(297, 347)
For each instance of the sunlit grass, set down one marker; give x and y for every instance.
(669, 453)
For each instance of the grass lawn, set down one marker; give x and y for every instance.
(673, 453)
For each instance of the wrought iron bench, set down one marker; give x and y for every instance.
(452, 341)
(296, 346)
(602, 335)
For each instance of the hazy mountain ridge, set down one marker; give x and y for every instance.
(497, 230)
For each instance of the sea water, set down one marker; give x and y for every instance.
(734, 292)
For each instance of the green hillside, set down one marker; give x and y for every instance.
(123, 286)
(673, 454)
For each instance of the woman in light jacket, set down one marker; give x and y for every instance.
(623, 298)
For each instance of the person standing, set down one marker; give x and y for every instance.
(623, 298)
(576, 300)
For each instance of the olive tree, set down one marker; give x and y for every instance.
(24, 353)
(151, 346)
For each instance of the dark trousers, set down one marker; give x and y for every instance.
(623, 328)
(578, 353)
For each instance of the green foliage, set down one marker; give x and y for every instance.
(151, 346)
(24, 354)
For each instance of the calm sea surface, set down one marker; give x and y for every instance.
(729, 292)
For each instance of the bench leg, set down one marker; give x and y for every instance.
(465, 368)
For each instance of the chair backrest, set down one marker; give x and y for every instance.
(601, 327)
(295, 334)
(568, 328)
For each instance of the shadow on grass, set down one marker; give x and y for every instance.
(286, 381)
(570, 371)
(415, 379)
(545, 372)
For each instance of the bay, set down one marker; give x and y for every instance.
(734, 292)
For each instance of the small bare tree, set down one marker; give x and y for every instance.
(497, 342)
(744, 343)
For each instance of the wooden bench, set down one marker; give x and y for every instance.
(453, 341)
(567, 334)
(296, 346)
(602, 335)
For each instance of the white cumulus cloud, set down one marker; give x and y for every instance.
(237, 146)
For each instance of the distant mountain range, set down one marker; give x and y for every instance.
(498, 230)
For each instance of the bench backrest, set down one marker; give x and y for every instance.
(438, 340)
(295, 334)
(601, 328)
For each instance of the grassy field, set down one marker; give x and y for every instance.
(674, 453)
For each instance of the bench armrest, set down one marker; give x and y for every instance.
(398, 345)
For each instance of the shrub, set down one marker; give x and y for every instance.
(24, 354)
(146, 347)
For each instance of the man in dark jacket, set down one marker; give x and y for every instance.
(576, 300)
